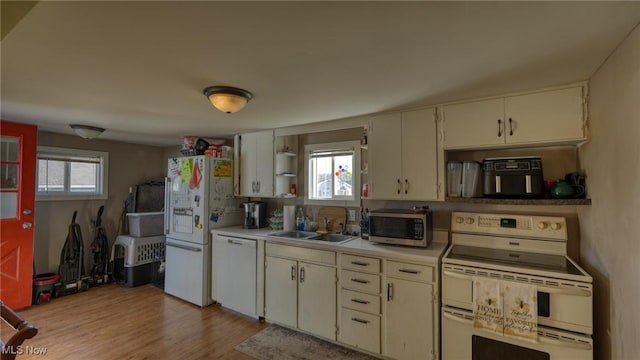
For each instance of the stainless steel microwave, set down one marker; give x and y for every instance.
(401, 227)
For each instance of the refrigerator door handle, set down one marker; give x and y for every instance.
(167, 204)
(184, 247)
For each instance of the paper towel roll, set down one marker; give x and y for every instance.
(289, 217)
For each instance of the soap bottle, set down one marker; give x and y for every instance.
(300, 220)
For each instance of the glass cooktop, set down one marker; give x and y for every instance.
(526, 260)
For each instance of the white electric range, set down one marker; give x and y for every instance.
(515, 249)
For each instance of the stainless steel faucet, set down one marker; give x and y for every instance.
(342, 228)
(326, 224)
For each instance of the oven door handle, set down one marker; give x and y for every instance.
(457, 275)
(573, 345)
(564, 291)
(456, 318)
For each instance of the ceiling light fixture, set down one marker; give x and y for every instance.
(86, 131)
(227, 99)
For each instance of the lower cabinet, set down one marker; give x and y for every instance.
(410, 311)
(300, 291)
(360, 318)
(409, 320)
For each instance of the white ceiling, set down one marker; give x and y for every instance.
(138, 68)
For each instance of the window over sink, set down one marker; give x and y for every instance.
(333, 174)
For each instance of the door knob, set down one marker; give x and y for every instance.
(27, 225)
(26, 212)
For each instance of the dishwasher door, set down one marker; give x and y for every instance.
(235, 273)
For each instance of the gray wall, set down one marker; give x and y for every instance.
(610, 243)
(129, 164)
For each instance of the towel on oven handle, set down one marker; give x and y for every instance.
(487, 305)
(520, 310)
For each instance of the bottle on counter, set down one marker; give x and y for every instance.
(300, 220)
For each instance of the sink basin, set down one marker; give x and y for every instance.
(307, 235)
(332, 237)
(295, 234)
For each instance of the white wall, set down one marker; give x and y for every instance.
(610, 228)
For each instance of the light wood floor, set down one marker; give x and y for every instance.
(116, 322)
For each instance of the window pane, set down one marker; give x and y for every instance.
(83, 177)
(344, 177)
(9, 146)
(323, 178)
(50, 175)
(9, 176)
(8, 205)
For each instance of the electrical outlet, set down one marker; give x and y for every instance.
(352, 215)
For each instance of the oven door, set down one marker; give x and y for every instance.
(460, 340)
(561, 304)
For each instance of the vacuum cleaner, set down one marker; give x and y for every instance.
(100, 249)
(71, 269)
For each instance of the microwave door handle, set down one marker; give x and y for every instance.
(564, 291)
(574, 345)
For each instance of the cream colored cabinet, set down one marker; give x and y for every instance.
(360, 306)
(300, 289)
(546, 117)
(256, 175)
(403, 161)
(410, 311)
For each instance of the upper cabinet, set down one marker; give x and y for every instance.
(256, 165)
(403, 156)
(541, 118)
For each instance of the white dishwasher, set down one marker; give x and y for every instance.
(234, 273)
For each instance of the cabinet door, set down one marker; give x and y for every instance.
(248, 165)
(385, 152)
(551, 116)
(265, 163)
(281, 277)
(410, 323)
(474, 124)
(317, 300)
(419, 155)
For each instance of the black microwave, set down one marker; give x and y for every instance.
(401, 227)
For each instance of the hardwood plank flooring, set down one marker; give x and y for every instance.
(117, 322)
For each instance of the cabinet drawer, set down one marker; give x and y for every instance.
(299, 253)
(410, 271)
(360, 330)
(360, 301)
(360, 281)
(360, 263)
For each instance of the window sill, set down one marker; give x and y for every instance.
(67, 197)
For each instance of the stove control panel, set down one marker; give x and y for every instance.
(532, 226)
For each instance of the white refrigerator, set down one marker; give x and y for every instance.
(198, 197)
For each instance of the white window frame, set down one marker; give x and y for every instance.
(67, 154)
(355, 145)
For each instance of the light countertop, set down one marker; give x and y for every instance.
(429, 255)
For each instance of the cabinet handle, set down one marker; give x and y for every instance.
(389, 291)
(399, 186)
(360, 281)
(499, 128)
(510, 127)
(406, 186)
(358, 301)
(413, 272)
(258, 182)
(293, 272)
(302, 274)
(360, 263)
(360, 320)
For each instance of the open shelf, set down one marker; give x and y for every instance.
(485, 200)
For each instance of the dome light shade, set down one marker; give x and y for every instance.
(86, 131)
(227, 99)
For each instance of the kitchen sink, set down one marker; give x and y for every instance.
(307, 235)
(295, 234)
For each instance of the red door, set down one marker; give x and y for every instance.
(17, 192)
